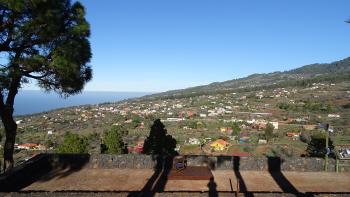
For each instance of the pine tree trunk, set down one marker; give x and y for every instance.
(6, 112)
(10, 129)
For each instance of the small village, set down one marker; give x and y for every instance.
(217, 124)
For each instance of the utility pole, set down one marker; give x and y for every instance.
(327, 148)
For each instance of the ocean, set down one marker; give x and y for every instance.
(36, 101)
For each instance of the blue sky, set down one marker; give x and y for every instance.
(162, 45)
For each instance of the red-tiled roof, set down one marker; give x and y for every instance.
(30, 145)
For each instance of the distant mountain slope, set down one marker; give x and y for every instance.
(313, 69)
(339, 70)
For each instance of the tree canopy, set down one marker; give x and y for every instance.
(73, 143)
(317, 145)
(113, 140)
(269, 131)
(44, 41)
(235, 128)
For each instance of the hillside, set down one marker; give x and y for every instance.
(333, 72)
(295, 101)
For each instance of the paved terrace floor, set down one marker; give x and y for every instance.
(224, 181)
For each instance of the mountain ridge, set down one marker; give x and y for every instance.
(334, 71)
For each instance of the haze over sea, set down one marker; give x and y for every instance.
(36, 101)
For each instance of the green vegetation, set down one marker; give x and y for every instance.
(235, 128)
(268, 131)
(302, 77)
(191, 148)
(307, 106)
(73, 143)
(113, 140)
(317, 145)
(195, 124)
(346, 106)
(305, 137)
(342, 137)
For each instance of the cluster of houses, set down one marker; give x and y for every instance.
(30, 146)
(294, 135)
(316, 86)
(251, 113)
(281, 92)
(217, 145)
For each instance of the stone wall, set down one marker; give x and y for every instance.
(121, 161)
(220, 162)
(76, 161)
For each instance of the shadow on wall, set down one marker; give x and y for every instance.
(242, 187)
(156, 183)
(274, 168)
(159, 142)
(162, 148)
(42, 168)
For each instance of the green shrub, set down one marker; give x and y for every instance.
(317, 145)
(113, 140)
(73, 143)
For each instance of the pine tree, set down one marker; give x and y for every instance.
(317, 145)
(269, 131)
(43, 41)
(73, 143)
(113, 140)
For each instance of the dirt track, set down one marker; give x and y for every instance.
(253, 181)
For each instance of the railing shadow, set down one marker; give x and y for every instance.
(162, 148)
(163, 177)
(242, 187)
(41, 168)
(157, 182)
(274, 168)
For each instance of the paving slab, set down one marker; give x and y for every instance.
(191, 173)
(224, 181)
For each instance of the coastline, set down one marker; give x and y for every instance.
(31, 102)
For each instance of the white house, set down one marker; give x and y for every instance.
(274, 124)
(194, 141)
(203, 115)
(262, 141)
(173, 119)
(333, 116)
